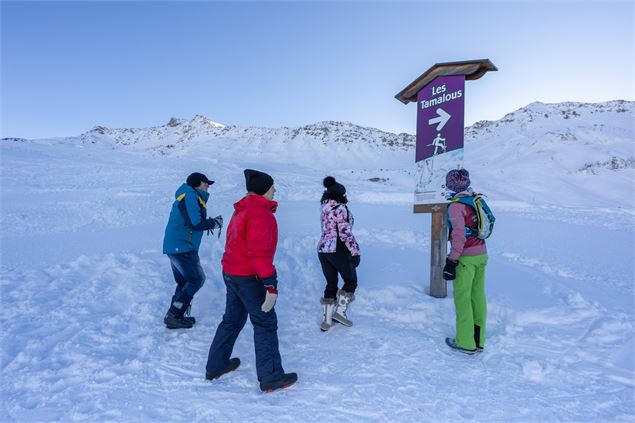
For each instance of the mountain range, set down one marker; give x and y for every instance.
(576, 153)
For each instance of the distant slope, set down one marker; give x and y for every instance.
(564, 153)
(574, 154)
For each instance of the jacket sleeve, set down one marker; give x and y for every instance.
(261, 228)
(457, 213)
(198, 221)
(345, 230)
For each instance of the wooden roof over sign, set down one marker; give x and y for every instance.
(472, 69)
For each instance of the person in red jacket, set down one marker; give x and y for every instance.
(252, 286)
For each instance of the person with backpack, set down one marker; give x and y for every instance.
(183, 234)
(338, 253)
(470, 222)
(252, 286)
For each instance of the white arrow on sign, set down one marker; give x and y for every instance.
(442, 118)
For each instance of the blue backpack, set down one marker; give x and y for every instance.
(484, 224)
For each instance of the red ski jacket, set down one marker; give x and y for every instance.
(252, 237)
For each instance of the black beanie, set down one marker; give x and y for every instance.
(195, 179)
(334, 187)
(258, 182)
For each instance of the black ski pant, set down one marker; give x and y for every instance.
(340, 262)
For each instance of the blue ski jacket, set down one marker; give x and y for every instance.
(188, 220)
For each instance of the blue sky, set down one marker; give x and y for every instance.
(67, 66)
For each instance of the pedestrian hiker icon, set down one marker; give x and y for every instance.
(438, 142)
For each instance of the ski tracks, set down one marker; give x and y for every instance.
(84, 340)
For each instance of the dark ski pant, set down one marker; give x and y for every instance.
(188, 275)
(245, 295)
(339, 262)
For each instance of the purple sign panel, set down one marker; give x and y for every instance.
(439, 136)
(440, 116)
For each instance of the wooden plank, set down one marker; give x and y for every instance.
(429, 208)
(472, 69)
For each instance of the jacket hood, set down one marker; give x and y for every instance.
(186, 188)
(255, 201)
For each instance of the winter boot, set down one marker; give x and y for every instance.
(231, 366)
(477, 338)
(175, 317)
(456, 347)
(187, 312)
(343, 300)
(287, 380)
(187, 316)
(329, 308)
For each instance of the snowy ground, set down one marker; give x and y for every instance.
(84, 289)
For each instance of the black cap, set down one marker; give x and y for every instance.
(258, 182)
(195, 179)
(333, 186)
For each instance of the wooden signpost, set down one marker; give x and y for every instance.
(439, 93)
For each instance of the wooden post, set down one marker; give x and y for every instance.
(438, 253)
(438, 246)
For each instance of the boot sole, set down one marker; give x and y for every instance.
(270, 390)
(459, 349)
(171, 324)
(178, 327)
(344, 322)
(214, 377)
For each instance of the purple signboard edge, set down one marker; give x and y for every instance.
(440, 116)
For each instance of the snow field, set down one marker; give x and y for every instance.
(84, 288)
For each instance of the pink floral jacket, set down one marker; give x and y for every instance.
(337, 221)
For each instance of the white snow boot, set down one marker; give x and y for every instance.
(329, 307)
(343, 300)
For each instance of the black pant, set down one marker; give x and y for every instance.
(338, 262)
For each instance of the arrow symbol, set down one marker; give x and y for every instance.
(442, 118)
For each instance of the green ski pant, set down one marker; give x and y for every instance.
(470, 302)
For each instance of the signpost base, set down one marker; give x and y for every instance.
(438, 248)
(438, 253)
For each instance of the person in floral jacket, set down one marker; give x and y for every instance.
(338, 252)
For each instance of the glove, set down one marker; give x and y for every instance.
(218, 222)
(449, 270)
(271, 285)
(355, 260)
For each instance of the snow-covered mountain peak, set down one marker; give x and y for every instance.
(203, 120)
(556, 145)
(567, 110)
(349, 133)
(175, 122)
(561, 145)
(334, 125)
(179, 131)
(558, 120)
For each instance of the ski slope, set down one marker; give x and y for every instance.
(84, 288)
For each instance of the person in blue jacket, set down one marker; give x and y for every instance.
(183, 233)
